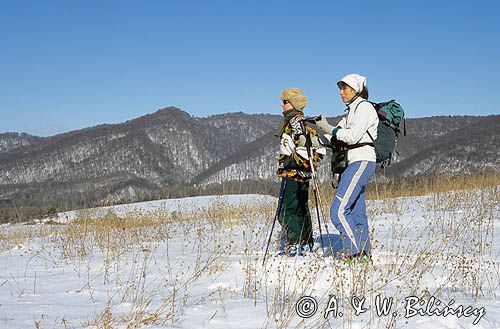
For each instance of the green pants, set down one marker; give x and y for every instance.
(295, 218)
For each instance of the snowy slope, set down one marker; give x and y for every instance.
(185, 205)
(197, 263)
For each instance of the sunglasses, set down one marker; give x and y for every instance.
(285, 102)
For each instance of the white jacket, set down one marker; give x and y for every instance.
(360, 118)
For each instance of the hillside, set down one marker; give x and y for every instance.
(171, 153)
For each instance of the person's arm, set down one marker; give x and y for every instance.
(362, 118)
(342, 123)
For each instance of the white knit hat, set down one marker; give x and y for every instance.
(355, 81)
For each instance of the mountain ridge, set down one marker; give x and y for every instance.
(169, 150)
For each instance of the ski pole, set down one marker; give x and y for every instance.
(313, 176)
(315, 191)
(276, 216)
(324, 222)
(317, 198)
(317, 212)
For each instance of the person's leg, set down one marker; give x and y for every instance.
(305, 223)
(351, 184)
(360, 219)
(290, 214)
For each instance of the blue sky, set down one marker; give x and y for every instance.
(67, 65)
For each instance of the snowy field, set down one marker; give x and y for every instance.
(197, 263)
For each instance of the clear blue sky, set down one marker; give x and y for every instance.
(66, 65)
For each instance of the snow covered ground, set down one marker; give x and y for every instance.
(197, 263)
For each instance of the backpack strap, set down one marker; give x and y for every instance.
(307, 135)
(370, 136)
(392, 125)
(364, 100)
(354, 146)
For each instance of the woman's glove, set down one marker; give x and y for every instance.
(324, 125)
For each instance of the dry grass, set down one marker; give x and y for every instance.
(446, 252)
(380, 188)
(99, 249)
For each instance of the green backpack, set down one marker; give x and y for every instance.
(390, 115)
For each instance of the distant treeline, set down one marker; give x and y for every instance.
(33, 203)
(40, 203)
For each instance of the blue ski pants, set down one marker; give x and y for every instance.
(348, 210)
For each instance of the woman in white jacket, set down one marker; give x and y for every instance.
(357, 129)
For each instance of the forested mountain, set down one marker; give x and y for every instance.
(163, 153)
